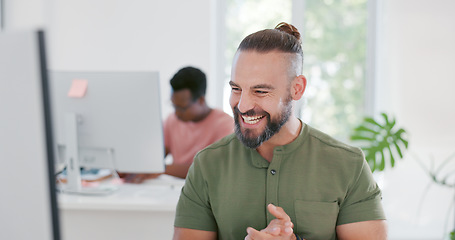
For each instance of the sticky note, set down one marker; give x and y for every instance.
(78, 88)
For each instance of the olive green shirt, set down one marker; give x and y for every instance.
(318, 181)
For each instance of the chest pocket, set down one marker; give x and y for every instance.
(316, 220)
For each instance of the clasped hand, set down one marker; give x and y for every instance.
(279, 228)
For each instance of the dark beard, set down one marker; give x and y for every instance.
(271, 128)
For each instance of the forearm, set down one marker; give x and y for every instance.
(177, 170)
(367, 230)
(190, 234)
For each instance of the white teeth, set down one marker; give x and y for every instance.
(252, 120)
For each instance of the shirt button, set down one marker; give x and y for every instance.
(273, 172)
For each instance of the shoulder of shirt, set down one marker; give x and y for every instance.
(331, 142)
(221, 114)
(220, 144)
(222, 120)
(171, 117)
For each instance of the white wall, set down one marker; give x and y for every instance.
(415, 83)
(131, 35)
(20, 14)
(123, 35)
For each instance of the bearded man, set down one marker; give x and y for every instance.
(277, 177)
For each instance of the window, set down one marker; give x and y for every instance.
(334, 46)
(244, 17)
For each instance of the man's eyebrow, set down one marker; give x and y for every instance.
(233, 84)
(263, 86)
(259, 86)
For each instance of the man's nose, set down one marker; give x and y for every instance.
(246, 103)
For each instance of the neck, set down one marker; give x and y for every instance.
(287, 134)
(203, 113)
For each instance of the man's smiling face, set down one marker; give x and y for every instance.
(260, 95)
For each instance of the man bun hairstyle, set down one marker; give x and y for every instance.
(289, 29)
(190, 78)
(284, 37)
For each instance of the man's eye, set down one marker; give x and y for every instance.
(235, 89)
(261, 92)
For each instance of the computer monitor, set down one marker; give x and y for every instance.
(107, 120)
(28, 205)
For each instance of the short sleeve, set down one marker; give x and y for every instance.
(228, 125)
(363, 200)
(193, 208)
(222, 126)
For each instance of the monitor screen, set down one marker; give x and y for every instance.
(28, 208)
(113, 119)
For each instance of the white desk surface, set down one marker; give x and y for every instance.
(160, 194)
(135, 211)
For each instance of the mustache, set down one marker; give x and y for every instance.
(250, 112)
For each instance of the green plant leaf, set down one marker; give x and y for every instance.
(392, 159)
(372, 121)
(378, 137)
(382, 165)
(398, 149)
(400, 131)
(364, 129)
(386, 118)
(357, 137)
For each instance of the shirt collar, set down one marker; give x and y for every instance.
(259, 162)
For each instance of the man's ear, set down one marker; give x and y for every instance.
(298, 87)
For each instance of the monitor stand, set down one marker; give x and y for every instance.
(74, 181)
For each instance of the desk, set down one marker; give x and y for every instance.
(134, 211)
